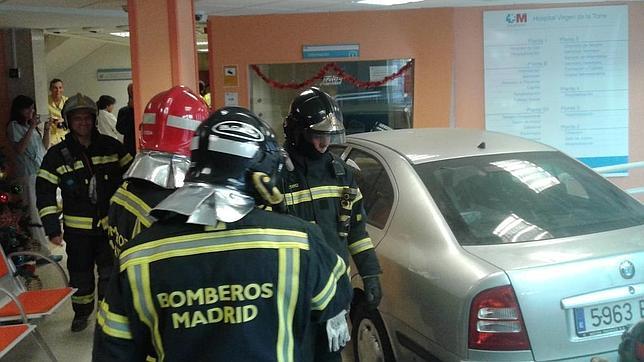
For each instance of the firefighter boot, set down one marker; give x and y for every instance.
(79, 322)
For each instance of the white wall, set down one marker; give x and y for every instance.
(81, 76)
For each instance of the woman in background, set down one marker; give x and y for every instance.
(106, 120)
(30, 147)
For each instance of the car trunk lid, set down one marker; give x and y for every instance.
(572, 291)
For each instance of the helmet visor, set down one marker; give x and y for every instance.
(328, 138)
(331, 129)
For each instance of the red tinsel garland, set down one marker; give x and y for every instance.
(335, 68)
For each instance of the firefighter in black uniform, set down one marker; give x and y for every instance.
(321, 188)
(169, 122)
(217, 278)
(87, 167)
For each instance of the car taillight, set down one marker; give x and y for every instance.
(496, 322)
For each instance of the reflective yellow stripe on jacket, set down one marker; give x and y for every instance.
(66, 168)
(99, 160)
(316, 193)
(125, 160)
(44, 174)
(213, 242)
(134, 205)
(78, 222)
(139, 277)
(322, 299)
(113, 324)
(48, 211)
(361, 245)
(287, 293)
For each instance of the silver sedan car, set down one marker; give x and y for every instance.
(493, 248)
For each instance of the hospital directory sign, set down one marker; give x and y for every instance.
(560, 76)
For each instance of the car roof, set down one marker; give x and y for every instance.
(421, 145)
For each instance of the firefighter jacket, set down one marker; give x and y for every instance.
(324, 191)
(242, 291)
(129, 212)
(87, 178)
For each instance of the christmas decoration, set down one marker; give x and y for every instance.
(16, 189)
(14, 227)
(335, 69)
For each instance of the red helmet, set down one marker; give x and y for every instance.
(170, 119)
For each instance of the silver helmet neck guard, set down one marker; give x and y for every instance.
(161, 168)
(206, 204)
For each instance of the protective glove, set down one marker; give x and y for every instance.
(337, 331)
(372, 291)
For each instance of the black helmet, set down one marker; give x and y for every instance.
(313, 112)
(236, 149)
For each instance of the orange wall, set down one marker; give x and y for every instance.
(469, 86)
(424, 35)
(162, 43)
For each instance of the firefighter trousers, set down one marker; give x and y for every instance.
(86, 251)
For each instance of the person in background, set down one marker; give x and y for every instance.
(125, 123)
(106, 121)
(320, 188)
(204, 92)
(172, 117)
(56, 102)
(88, 168)
(217, 278)
(30, 146)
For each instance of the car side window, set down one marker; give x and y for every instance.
(375, 185)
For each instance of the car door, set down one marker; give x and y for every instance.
(377, 189)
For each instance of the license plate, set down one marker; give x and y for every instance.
(608, 317)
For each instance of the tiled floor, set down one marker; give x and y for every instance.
(67, 346)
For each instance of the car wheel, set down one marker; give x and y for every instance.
(370, 339)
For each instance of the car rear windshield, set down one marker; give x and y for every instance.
(521, 197)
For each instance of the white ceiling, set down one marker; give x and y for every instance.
(96, 18)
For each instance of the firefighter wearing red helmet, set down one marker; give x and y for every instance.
(169, 121)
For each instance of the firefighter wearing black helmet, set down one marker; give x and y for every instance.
(217, 278)
(87, 167)
(320, 188)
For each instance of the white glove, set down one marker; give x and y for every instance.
(337, 330)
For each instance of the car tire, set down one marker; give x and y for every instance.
(369, 335)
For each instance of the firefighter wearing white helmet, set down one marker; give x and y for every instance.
(217, 278)
(88, 168)
(169, 121)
